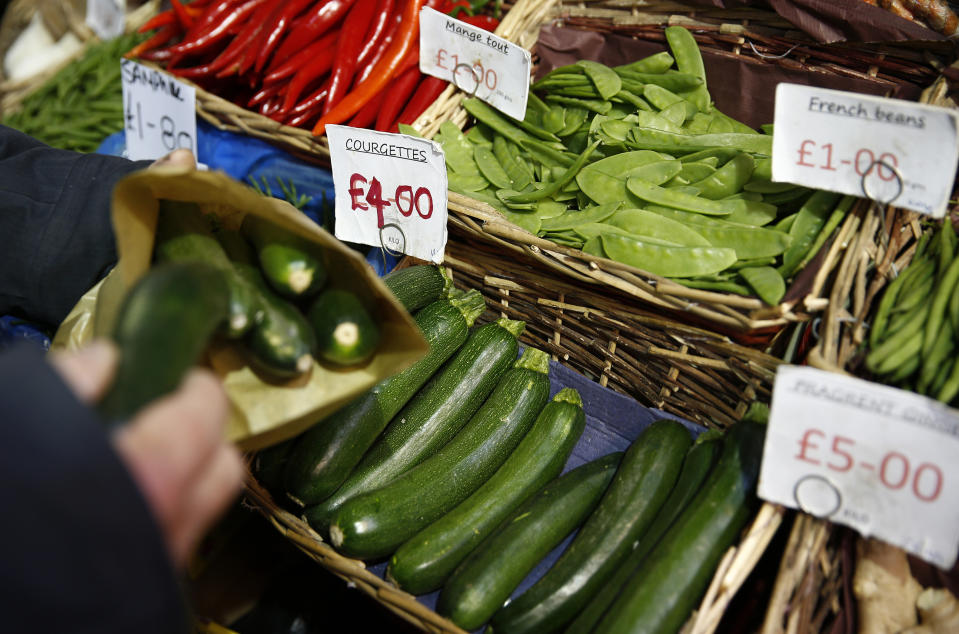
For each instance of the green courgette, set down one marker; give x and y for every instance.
(419, 285)
(427, 559)
(376, 523)
(182, 234)
(292, 265)
(699, 461)
(433, 416)
(480, 585)
(346, 332)
(328, 451)
(660, 595)
(645, 477)
(165, 323)
(281, 343)
(269, 464)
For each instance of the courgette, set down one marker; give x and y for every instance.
(433, 416)
(660, 595)
(269, 464)
(281, 343)
(292, 265)
(480, 585)
(346, 333)
(183, 233)
(427, 559)
(328, 451)
(418, 286)
(699, 460)
(376, 523)
(645, 477)
(165, 322)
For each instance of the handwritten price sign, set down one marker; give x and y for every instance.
(878, 459)
(390, 191)
(478, 62)
(159, 112)
(889, 150)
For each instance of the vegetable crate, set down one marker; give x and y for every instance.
(746, 52)
(520, 24)
(672, 369)
(59, 19)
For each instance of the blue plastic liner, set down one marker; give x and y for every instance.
(613, 422)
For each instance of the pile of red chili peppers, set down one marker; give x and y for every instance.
(306, 63)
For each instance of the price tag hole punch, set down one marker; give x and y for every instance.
(817, 496)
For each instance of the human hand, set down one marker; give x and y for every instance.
(177, 158)
(174, 447)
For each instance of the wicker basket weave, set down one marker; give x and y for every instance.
(59, 18)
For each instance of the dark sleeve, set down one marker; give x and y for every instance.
(79, 549)
(56, 239)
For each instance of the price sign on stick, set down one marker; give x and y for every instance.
(881, 460)
(159, 112)
(476, 61)
(390, 191)
(889, 150)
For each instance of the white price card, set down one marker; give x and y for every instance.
(881, 460)
(106, 18)
(476, 61)
(889, 150)
(390, 191)
(159, 112)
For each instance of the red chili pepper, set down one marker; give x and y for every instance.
(367, 114)
(455, 8)
(273, 33)
(312, 25)
(426, 93)
(265, 94)
(481, 21)
(382, 21)
(380, 50)
(302, 119)
(311, 71)
(285, 68)
(161, 37)
(182, 16)
(315, 99)
(158, 21)
(400, 92)
(385, 70)
(219, 27)
(348, 46)
(227, 62)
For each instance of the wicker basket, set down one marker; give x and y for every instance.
(520, 25)
(58, 18)
(758, 40)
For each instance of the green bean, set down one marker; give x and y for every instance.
(728, 179)
(554, 186)
(671, 80)
(937, 312)
(497, 123)
(942, 347)
(572, 219)
(647, 223)
(667, 261)
(810, 220)
(656, 63)
(904, 371)
(917, 289)
(595, 105)
(954, 311)
(491, 168)
(947, 246)
(644, 139)
(689, 60)
(546, 154)
(678, 200)
(950, 388)
(607, 82)
(880, 320)
(766, 281)
(832, 222)
(909, 335)
(906, 349)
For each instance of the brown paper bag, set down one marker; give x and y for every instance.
(263, 412)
